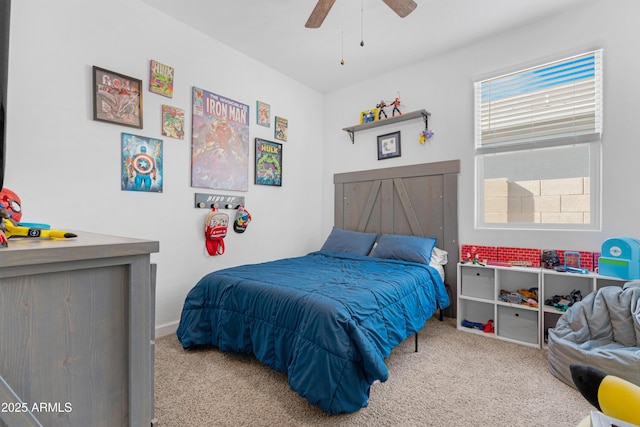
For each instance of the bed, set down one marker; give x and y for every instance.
(330, 318)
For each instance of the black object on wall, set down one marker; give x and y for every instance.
(5, 13)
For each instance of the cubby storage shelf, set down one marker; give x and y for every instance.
(478, 299)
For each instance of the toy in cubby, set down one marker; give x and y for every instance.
(478, 252)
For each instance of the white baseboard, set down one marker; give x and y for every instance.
(166, 329)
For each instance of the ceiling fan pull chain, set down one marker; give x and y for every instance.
(362, 24)
(342, 42)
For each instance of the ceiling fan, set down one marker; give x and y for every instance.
(401, 7)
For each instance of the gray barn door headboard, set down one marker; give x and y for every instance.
(418, 200)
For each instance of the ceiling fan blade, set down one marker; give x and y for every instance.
(401, 7)
(319, 13)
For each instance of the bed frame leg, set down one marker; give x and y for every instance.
(440, 317)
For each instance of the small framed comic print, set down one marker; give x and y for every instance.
(263, 115)
(142, 168)
(389, 145)
(281, 128)
(172, 122)
(117, 98)
(268, 163)
(161, 79)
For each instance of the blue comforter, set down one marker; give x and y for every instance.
(327, 320)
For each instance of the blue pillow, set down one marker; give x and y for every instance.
(406, 248)
(353, 242)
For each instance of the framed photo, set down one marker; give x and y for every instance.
(389, 145)
(263, 115)
(268, 163)
(160, 79)
(281, 128)
(117, 98)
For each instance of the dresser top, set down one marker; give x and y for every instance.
(29, 251)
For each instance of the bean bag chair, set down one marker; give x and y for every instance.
(602, 331)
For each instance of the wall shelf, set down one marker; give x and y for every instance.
(351, 130)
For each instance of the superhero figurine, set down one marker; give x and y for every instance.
(396, 106)
(381, 106)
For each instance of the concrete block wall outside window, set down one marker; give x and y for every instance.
(551, 201)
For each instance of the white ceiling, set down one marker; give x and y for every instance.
(273, 32)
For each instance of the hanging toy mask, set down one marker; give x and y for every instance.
(243, 218)
(215, 229)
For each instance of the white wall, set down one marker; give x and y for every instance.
(65, 167)
(443, 86)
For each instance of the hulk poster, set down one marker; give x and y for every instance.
(268, 162)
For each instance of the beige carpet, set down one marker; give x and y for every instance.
(456, 379)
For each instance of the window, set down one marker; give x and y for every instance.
(537, 145)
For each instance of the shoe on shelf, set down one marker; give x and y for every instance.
(473, 325)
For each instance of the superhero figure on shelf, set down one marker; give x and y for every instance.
(381, 106)
(396, 106)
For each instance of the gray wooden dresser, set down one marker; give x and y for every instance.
(76, 331)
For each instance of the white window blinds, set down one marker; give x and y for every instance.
(554, 104)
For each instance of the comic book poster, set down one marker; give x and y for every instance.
(263, 114)
(161, 79)
(281, 128)
(141, 163)
(268, 162)
(117, 98)
(172, 122)
(220, 142)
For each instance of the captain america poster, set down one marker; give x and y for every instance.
(141, 163)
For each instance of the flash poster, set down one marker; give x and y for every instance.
(220, 142)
